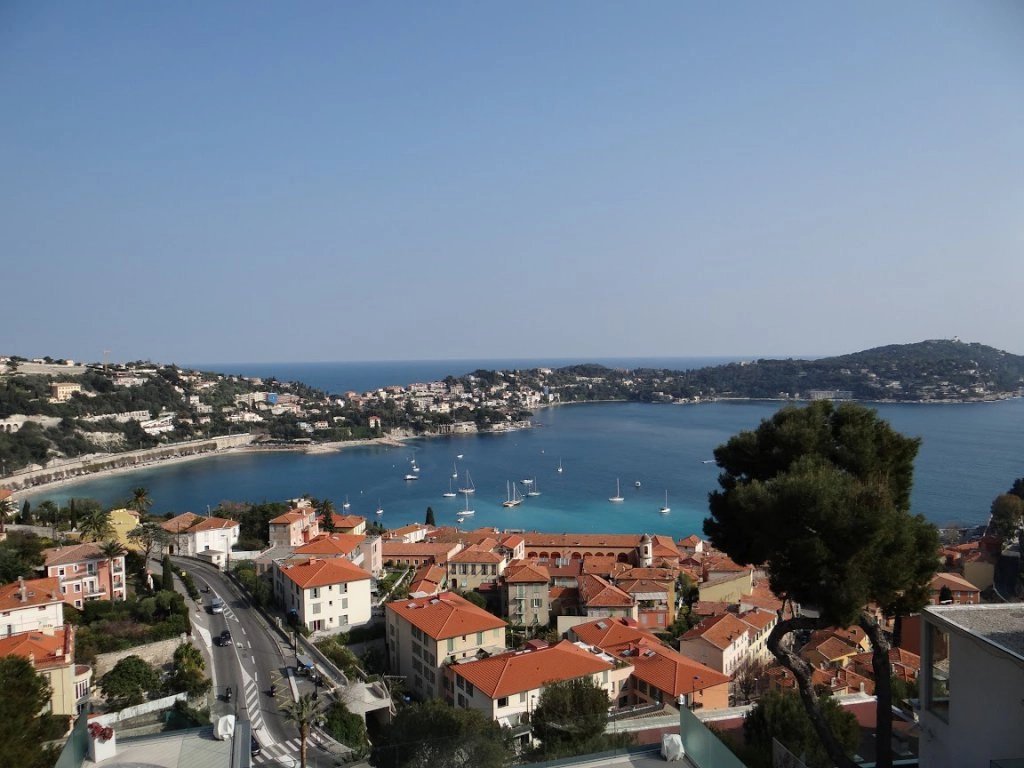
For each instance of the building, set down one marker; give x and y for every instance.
(51, 652)
(408, 534)
(972, 675)
(26, 606)
(191, 534)
(475, 566)
(600, 598)
(399, 553)
(324, 594)
(425, 633)
(525, 595)
(85, 573)
(349, 523)
(61, 391)
(761, 624)
(294, 528)
(507, 687)
(961, 591)
(721, 642)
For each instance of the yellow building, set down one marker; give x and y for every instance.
(123, 522)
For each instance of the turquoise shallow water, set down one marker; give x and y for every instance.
(970, 454)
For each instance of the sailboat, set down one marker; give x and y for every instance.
(455, 471)
(468, 487)
(467, 510)
(449, 494)
(514, 499)
(666, 509)
(618, 493)
(346, 505)
(412, 477)
(559, 466)
(533, 489)
(380, 509)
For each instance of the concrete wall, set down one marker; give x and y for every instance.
(141, 709)
(157, 654)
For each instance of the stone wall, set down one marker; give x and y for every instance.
(157, 654)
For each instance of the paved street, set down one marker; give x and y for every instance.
(256, 658)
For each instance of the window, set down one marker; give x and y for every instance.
(451, 644)
(469, 688)
(479, 638)
(536, 602)
(60, 571)
(344, 603)
(78, 587)
(503, 702)
(460, 683)
(936, 651)
(316, 607)
(522, 697)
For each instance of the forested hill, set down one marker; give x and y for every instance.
(938, 370)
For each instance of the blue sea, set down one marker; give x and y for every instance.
(970, 453)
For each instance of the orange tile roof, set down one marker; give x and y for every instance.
(832, 649)
(411, 528)
(73, 554)
(666, 669)
(599, 565)
(476, 554)
(438, 551)
(521, 671)
(598, 593)
(213, 524)
(336, 544)
(289, 517)
(188, 522)
(347, 521)
(319, 572)
(37, 592)
(663, 546)
(567, 540)
(512, 540)
(954, 581)
(626, 571)
(721, 631)
(525, 572)
(46, 650)
(690, 541)
(897, 657)
(446, 615)
(758, 619)
(709, 608)
(609, 632)
(179, 523)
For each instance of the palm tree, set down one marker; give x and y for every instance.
(303, 713)
(111, 549)
(95, 524)
(141, 501)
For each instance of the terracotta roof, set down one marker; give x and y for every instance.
(179, 523)
(571, 569)
(525, 572)
(723, 564)
(758, 619)
(850, 635)
(347, 521)
(666, 669)
(476, 554)
(609, 632)
(832, 649)
(427, 579)
(73, 554)
(896, 656)
(598, 593)
(663, 546)
(954, 581)
(438, 551)
(213, 524)
(336, 544)
(564, 594)
(512, 540)
(599, 565)
(320, 572)
(709, 608)
(721, 631)
(521, 671)
(46, 650)
(446, 615)
(626, 571)
(287, 518)
(403, 530)
(633, 586)
(567, 540)
(37, 592)
(690, 541)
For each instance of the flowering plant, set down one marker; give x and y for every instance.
(101, 732)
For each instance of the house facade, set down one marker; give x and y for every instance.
(191, 535)
(525, 594)
(51, 652)
(85, 573)
(720, 642)
(324, 594)
(26, 606)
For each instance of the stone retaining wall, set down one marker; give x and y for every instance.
(157, 654)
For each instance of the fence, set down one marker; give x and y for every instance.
(703, 748)
(141, 709)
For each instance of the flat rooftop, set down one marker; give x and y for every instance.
(177, 749)
(998, 625)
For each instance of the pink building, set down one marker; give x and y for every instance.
(85, 573)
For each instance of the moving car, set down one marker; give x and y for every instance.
(224, 638)
(216, 605)
(254, 745)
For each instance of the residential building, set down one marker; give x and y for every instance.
(191, 534)
(61, 391)
(85, 573)
(600, 598)
(721, 642)
(324, 594)
(31, 605)
(474, 566)
(349, 524)
(295, 527)
(972, 675)
(425, 633)
(962, 592)
(660, 674)
(408, 534)
(52, 653)
(425, 553)
(654, 599)
(761, 624)
(507, 687)
(428, 580)
(525, 594)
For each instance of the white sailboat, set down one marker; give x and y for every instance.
(468, 487)
(559, 466)
(412, 477)
(455, 471)
(467, 510)
(618, 493)
(380, 509)
(665, 509)
(449, 494)
(346, 505)
(514, 499)
(533, 489)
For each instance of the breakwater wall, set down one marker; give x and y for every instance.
(69, 469)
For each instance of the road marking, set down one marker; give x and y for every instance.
(243, 630)
(250, 643)
(253, 660)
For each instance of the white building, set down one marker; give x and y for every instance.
(972, 675)
(30, 605)
(329, 595)
(192, 534)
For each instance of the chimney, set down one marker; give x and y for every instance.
(22, 592)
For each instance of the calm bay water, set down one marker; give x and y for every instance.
(970, 453)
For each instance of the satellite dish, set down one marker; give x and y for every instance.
(225, 727)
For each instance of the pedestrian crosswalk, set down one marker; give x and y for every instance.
(284, 753)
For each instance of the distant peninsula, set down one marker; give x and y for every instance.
(60, 420)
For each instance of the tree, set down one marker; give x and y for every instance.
(434, 735)
(140, 501)
(23, 730)
(167, 575)
(749, 678)
(149, 536)
(430, 517)
(779, 715)
(346, 727)
(302, 713)
(327, 516)
(187, 674)
(128, 682)
(95, 525)
(111, 550)
(820, 496)
(1007, 515)
(570, 714)
(25, 518)
(475, 598)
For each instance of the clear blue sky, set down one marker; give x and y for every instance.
(278, 181)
